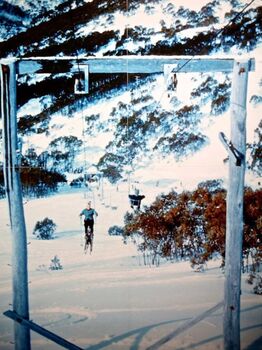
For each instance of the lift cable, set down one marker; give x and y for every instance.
(218, 33)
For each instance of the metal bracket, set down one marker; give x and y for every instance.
(231, 148)
(170, 68)
(81, 86)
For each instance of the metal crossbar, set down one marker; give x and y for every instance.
(116, 64)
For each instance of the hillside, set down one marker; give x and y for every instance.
(165, 266)
(140, 121)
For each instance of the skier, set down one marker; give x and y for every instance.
(88, 213)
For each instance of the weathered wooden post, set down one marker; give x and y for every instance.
(14, 196)
(235, 194)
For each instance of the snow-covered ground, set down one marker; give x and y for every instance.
(109, 299)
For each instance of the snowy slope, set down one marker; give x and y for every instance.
(206, 164)
(110, 299)
(96, 142)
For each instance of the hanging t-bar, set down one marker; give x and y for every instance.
(170, 76)
(82, 81)
(135, 199)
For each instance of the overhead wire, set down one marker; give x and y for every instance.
(83, 136)
(127, 87)
(127, 75)
(127, 68)
(186, 62)
(218, 33)
(81, 107)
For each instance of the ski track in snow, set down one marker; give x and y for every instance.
(110, 297)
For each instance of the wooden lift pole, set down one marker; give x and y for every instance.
(235, 194)
(14, 196)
